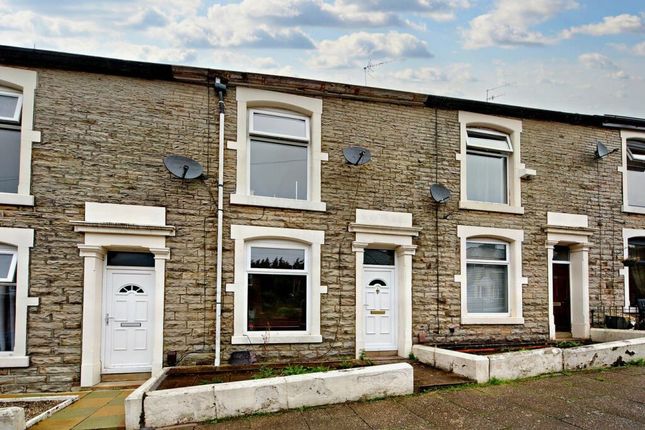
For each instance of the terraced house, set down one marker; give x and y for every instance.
(109, 263)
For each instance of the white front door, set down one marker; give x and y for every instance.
(380, 308)
(128, 320)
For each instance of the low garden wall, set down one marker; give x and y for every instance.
(522, 364)
(148, 408)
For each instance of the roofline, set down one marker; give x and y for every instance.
(38, 58)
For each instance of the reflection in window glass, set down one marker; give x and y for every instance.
(381, 257)
(636, 250)
(486, 177)
(6, 263)
(277, 302)
(278, 170)
(9, 160)
(635, 173)
(277, 258)
(280, 125)
(7, 316)
(8, 106)
(485, 251)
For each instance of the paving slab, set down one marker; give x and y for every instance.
(589, 400)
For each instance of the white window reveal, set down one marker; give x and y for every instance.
(491, 167)
(277, 288)
(278, 150)
(491, 275)
(279, 146)
(487, 164)
(277, 285)
(14, 295)
(487, 277)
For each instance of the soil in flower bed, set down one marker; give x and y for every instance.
(498, 349)
(32, 409)
(178, 377)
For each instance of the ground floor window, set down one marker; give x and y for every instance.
(487, 276)
(636, 258)
(8, 260)
(491, 275)
(277, 287)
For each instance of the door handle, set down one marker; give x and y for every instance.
(107, 319)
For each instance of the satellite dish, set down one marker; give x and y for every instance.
(601, 150)
(439, 193)
(183, 167)
(356, 155)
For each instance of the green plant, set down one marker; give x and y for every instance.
(209, 381)
(345, 364)
(495, 381)
(412, 357)
(264, 372)
(637, 362)
(568, 344)
(361, 356)
(294, 370)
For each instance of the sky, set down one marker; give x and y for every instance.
(584, 56)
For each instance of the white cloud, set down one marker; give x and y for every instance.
(438, 10)
(353, 50)
(510, 23)
(594, 60)
(459, 72)
(624, 23)
(639, 49)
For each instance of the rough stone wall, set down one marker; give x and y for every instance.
(103, 140)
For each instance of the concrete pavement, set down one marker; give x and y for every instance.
(607, 399)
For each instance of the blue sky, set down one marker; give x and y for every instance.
(573, 55)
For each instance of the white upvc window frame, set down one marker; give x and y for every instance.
(626, 135)
(24, 82)
(15, 119)
(12, 265)
(515, 169)
(22, 239)
(513, 239)
(506, 262)
(629, 233)
(246, 237)
(279, 113)
(250, 99)
(280, 244)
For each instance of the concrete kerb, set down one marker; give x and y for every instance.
(213, 401)
(600, 335)
(604, 354)
(134, 402)
(12, 418)
(523, 364)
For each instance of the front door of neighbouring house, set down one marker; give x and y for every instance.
(380, 308)
(128, 320)
(561, 289)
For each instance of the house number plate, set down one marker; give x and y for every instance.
(128, 324)
(380, 312)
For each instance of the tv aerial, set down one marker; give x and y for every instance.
(183, 167)
(439, 193)
(356, 155)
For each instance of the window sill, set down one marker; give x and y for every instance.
(634, 209)
(491, 320)
(491, 207)
(275, 202)
(14, 361)
(16, 199)
(258, 339)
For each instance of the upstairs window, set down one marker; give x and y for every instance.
(10, 112)
(279, 154)
(487, 165)
(636, 172)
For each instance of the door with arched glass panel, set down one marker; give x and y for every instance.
(380, 300)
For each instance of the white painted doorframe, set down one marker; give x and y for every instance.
(393, 306)
(106, 365)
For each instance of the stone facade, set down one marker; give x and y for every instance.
(103, 140)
